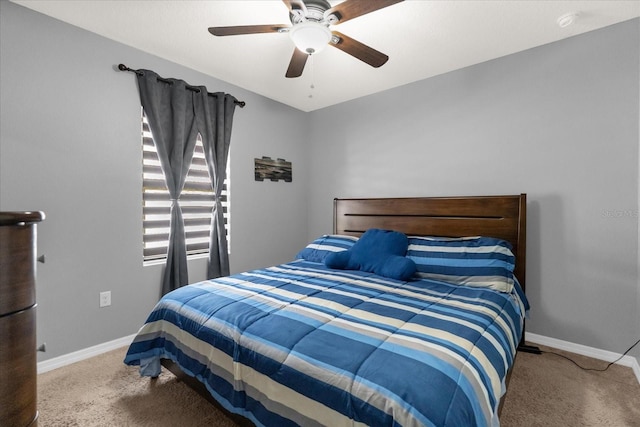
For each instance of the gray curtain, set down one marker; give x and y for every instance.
(214, 117)
(169, 107)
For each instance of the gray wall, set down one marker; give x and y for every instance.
(560, 123)
(70, 146)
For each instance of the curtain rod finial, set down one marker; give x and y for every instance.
(123, 67)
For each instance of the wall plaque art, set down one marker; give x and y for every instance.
(273, 170)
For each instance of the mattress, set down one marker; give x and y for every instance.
(302, 344)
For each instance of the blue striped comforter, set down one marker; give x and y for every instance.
(301, 344)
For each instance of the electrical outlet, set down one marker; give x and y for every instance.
(105, 299)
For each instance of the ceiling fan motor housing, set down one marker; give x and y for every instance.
(313, 10)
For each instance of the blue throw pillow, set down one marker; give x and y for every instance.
(318, 250)
(378, 251)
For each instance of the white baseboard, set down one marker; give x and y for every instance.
(607, 356)
(76, 356)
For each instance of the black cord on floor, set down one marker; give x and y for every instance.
(582, 367)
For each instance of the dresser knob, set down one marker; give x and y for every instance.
(41, 259)
(42, 347)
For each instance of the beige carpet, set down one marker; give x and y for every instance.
(545, 390)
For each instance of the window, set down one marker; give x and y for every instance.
(197, 201)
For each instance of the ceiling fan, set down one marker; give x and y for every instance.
(309, 30)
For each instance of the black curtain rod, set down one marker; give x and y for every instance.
(123, 67)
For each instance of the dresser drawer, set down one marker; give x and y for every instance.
(17, 267)
(18, 375)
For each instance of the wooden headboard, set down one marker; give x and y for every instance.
(503, 217)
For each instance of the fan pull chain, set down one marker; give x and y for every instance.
(313, 77)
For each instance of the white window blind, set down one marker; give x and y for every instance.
(197, 201)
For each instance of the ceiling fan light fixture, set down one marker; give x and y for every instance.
(310, 37)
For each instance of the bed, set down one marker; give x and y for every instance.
(308, 343)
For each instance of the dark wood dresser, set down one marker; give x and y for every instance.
(18, 363)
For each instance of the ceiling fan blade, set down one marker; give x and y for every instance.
(246, 29)
(296, 66)
(358, 50)
(350, 9)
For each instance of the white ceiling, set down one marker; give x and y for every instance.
(423, 38)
